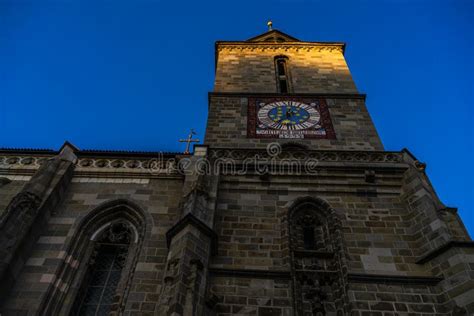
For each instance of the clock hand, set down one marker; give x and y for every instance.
(281, 121)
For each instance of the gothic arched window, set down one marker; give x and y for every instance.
(316, 258)
(309, 231)
(103, 273)
(96, 273)
(282, 74)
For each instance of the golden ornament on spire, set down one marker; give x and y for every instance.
(270, 24)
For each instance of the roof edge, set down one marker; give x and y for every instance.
(275, 31)
(89, 152)
(302, 43)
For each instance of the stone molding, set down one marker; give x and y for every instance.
(274, 47)
(251, 273)
(360, 96)
(153, 165)
(169, 165)
(318, 155)
(158, 165)
(23, 161)
(393, 279)
(353, 277)
(442, 249)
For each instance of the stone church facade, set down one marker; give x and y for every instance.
(290, 207)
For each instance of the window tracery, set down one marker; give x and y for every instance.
(316, 260)
(97, 293)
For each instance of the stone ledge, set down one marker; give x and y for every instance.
(354, 277)
(313, 254)
(361, 96)
(442, 249)
(390, 278)
(341, 158)
(251, 273)
(190, 219)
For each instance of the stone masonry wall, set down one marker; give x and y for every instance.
(158, 197)
(457, 288)
(394, 299)
(250, 221)
(252, 69)
(247, 296)
(249, 214)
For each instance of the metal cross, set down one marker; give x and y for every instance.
(189, 140)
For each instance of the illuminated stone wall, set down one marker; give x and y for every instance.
(313, 69)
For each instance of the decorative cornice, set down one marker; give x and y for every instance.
(279, 46)
(32, 161)
(154, 165)
(275, 47)
(168, 164)
(88, 164)
(302, 155)
(442, 249)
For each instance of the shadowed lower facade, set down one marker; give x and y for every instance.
(292, 206)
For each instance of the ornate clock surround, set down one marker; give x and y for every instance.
(257, 129)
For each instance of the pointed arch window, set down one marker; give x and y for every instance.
(310, 231)
(317, 259)
(282, 74)
(96, 273)
(108, 259)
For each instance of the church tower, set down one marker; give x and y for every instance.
(321, 220)
(291, 207)
(277, 89)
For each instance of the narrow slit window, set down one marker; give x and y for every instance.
(283, 86)
(281, 67)
(282, 75)
(308, 238)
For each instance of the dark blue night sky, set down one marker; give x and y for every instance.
(134, 75)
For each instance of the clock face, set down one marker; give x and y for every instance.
(288, 115)
(289, 118)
